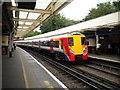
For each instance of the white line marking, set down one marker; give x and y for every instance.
(104, 59)
(47, 71)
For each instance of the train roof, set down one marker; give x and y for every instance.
(48, 38)
(55, 36)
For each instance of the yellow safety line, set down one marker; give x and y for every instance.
(24, 72)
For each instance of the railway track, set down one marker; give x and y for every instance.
(104, 67)
(105, 82)
(81, 75)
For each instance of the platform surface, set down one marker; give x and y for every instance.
(24, 71)
(112, 58)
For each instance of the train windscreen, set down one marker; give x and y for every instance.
(70, 41)
(83, 39)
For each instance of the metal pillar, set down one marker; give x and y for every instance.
(10, 45)
(97, 40)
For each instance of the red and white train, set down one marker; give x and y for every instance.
(70, 47)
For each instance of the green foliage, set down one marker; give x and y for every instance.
(56, 22)
(117, 5)
(101, 10)
(59, 21)
(33, 33)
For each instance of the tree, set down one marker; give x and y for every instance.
(117, 5)
(33, 33)
(101, 10)
(56, 22)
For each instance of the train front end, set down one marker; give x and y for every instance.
(78, 47)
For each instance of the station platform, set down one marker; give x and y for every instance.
(111, 58)
(24, 71)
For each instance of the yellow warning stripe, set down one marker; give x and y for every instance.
(48, 84)
(24, 72)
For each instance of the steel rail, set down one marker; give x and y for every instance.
(88, 78)
(92, 65)
(103, 70)
(109, 66)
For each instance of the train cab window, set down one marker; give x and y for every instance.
(83, 39)
(70, 41)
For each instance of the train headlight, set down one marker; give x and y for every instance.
(71, 51)
(84, 50)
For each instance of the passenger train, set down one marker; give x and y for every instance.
(69, 47)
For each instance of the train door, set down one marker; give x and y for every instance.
(62, 44)
(39, 44)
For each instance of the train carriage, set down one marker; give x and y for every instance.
(69, 47)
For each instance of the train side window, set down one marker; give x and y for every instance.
(83, 39)
(41, 43)
(56, 44)
(48, 43)
(30, 43)
(70, 41)
(45, 43)
(35, 43)
(26, 43)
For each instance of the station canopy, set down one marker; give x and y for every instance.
(108, 21)
(29, 14)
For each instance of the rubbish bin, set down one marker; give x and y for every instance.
(3, 51)
(93, 50)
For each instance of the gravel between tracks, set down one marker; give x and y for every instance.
(107, 76)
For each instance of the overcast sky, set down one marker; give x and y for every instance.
(78, 9)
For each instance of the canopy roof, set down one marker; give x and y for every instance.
(29, 15)
(107, 21)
